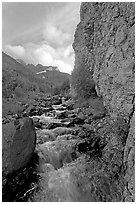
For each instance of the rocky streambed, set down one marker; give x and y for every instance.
(78, 155)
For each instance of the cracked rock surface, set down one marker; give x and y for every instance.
(105, 39)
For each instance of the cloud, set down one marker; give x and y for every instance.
(55, 35)
(15, 50)
(68, 51)
(44, 54)
(44, 38)
(63, 67)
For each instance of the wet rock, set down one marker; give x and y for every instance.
(69, 104)
(61, 114)
(47, 120)
(37, 122)
(34, 110)
(18, 144)
(56, 100)
(53, 125)
(72, 115)
(47, 109)
(68, 123)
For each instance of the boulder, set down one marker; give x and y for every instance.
(18, 144)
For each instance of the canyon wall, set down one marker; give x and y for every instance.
(104, 45)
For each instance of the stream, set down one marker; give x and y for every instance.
(62, 157)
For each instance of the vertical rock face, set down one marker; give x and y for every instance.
(129, 161)
(105, 37)
(18, 144)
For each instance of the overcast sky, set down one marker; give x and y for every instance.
(40, 32)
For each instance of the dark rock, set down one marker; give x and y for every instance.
(91, 146)
(72, 115)
(33, 111)
(18, 186)
(69, 104)
(47, 109)
(18, 144)
(61, 114)
(53, 125)
(68, 123)
(37, 122)
(88, 120)
(56, 101)
(78, 121)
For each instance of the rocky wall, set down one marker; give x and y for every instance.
(105, 36)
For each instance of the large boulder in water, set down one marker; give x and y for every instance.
(18, 144)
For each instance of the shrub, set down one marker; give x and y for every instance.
(63, 89)
(82, 80)
(19, 92)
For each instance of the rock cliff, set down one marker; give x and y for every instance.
(104, 45)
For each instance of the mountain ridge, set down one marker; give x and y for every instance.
(21, 82)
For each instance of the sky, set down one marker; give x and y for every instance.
(40, 32)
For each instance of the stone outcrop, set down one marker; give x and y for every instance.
(18, 144)
(105, 39)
